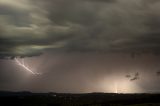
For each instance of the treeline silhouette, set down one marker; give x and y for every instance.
(66, 99)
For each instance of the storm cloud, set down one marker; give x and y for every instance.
(28, 28)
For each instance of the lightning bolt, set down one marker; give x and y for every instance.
(116, 87)
(21, 63)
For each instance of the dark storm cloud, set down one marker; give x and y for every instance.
(134, 77)
(31, 27)
(158, 73)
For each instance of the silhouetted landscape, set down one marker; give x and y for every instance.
(86, 99)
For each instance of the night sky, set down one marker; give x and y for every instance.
(78, 46)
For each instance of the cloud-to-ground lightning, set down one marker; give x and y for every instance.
(21, 63)
(115, 87)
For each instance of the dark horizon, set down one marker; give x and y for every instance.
(89, 99)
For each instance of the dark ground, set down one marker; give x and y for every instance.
(90, 99)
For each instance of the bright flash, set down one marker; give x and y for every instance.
(116, 87)
(21, 63)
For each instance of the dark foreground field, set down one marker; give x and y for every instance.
(90, 99)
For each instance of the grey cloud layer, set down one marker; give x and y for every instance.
(30, 27)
